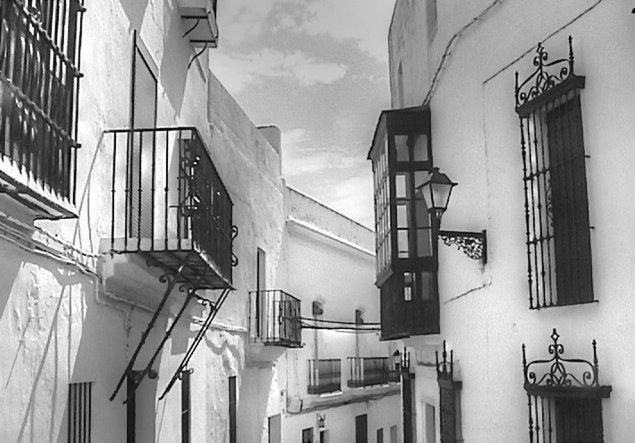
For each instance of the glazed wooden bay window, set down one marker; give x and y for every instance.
(564, 397)
(556, 204)
(40, 42)
(401, 154)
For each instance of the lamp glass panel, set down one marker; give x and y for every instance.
(426, 280)
(420, 148)
(401, 147)
(440, 195)
(420, 178)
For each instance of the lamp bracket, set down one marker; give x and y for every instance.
(473, 244)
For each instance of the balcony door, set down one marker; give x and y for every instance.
(143, 115)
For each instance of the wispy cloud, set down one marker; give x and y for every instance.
(238, 70)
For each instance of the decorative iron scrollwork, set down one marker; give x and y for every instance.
(473, 244)
(560, 372)
(445, 367)
(541, 80)
(234, 235)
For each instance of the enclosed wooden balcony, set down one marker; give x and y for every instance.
(169, 206)
(325, 376)
(40, 42)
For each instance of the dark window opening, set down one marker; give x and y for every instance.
(307, 435)
(232, 409)
(361, 429)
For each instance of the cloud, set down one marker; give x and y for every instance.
(238, 70)
(365, 21)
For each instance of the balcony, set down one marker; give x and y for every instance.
(324, 376)
(369, 371)
(169, 207)
(274, 319)
(39, 84)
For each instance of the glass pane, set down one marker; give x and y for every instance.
(407, 293)
(421, 214)
(401, 146)
(424, 243)
(402, 243)
(402, 215)
(427, 285)
(420, 178)
(421, 148)
(401, 185)
(408, 278)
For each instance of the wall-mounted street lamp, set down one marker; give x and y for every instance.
(436, 193)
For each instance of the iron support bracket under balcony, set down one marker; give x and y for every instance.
(473, 244)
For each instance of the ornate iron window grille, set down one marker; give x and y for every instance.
(564, 396)
(448, 396)
(554, 174)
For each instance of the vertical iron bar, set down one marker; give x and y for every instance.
(180, 172)
(185, 406)
(130, 407)
(539, 208)
(547, 186)
(532, 205)
(112, 209)
(562, 265)
(153, 191)
(69, 406)
(90, 412)
(166, 188)
(139, 191)
(128, 191)
(531, 422)
(537, 426)
(524, 157)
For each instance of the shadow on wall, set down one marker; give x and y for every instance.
(252, 402)
(40, 294)
(176, 57)
(135, 10)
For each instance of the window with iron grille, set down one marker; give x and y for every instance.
(79, 412)
(554, 172)
(40, 43)
(564, 397)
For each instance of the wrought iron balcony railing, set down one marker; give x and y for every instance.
(169, 204)
(274, 318)
(324, 376)
(368, 371)
(40, 42)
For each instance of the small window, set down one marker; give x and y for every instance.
(307, 435)
(79, 412)
(380, 435)
(430, 429)
(361, 429)
(393, 434)
(324, 436)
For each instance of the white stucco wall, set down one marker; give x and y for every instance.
(61, 325)
(485, 315)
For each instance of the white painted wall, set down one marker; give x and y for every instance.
(485, 314)
(59, 325)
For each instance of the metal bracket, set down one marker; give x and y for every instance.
(473, 244)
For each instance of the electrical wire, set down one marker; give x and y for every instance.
(319, 320)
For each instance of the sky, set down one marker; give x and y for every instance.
(318, 70)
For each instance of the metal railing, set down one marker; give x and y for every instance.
(166, 195)
(324, 376)
(368, 371)
(40, 42)
(274, 318)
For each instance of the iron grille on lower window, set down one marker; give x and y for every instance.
(40, 42)
(324, 376)
(564, 397)
(449, 404)
(79, 412)
(556, 204)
